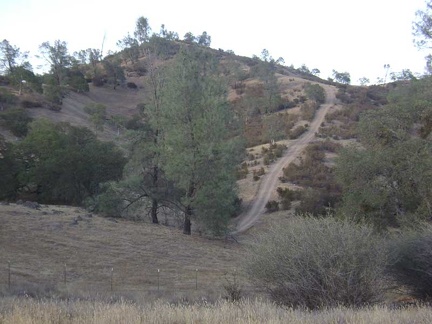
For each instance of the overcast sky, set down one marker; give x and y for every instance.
(352, 36)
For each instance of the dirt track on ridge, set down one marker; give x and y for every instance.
(269, 182)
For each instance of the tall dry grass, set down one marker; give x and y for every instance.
(16, 311)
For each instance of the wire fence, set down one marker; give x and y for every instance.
(106, 279)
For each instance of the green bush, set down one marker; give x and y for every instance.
(272, 206)
(315, 92)
(411, 262)
(319, 262)
(16, 121)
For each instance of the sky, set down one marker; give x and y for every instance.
(358, 37)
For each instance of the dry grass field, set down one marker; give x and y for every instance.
(46, 312)
(48, 244)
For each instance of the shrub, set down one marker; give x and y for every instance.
(318, 262)
(272, 206)
(411, 262)
(131, 85)
(315, 92)
(16, 121)
(26, 103)
(297, 132)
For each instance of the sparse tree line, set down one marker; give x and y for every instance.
(73, 72)
(183, 152)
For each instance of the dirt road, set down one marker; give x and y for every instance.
(270, 181)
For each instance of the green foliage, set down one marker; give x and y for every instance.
(200, 157)
(287, 196)
(342, 77)
(272, 206)
(114, 71)
(315, 92)
(314, 174)
(8, 171)
(411, 262)
(7, 99)
(77, 81)
(65, 164)
(16, 121)
(318, 262)
(97, 112)
(265, 69)
(387, 181)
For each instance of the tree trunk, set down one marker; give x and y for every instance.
(187, 225)
(155, 202)
(154, 211)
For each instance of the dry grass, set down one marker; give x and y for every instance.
(38, 243)
(46, 312)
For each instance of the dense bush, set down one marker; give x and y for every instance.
(60, 163)
(16, 121)
(411, 262)
(297, 132)
(318, 262)
(272, 206)
(315, 92)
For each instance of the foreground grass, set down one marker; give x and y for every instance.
(19, 310)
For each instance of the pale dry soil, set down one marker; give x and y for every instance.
(265, 188)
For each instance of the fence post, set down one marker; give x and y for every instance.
(9, 275)
(196, 279)
(112, 275)
(158, 278)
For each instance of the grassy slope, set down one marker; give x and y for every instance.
(39, 242)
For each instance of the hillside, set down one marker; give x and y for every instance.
(39, 243)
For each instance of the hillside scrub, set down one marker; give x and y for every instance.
(60, 163)
(318, 262)
(411, 262)
(386, 180)
(316, 177)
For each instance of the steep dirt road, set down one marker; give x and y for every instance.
(270, 180)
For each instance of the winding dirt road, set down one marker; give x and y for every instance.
(269, 182)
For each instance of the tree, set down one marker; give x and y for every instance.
(130, 48)
(265, 70)
(199, 156)
(364, 81)
(113, 70)
(8, 171)
(189, 38)
(342, 77)
(386, 182)
(58, 58)
(14, 64)
(144, 175)
(422, 27)
(65, 164)
(315, 92)
(315, 72)
(92, 57)
(11, 58)
(142, 30)
(204, 39)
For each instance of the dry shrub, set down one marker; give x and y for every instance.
(297, 132)
(411, 262)
(318, 262)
